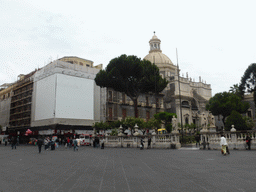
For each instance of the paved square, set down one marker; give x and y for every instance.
(125, 169)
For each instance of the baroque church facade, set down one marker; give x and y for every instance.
(193, 95)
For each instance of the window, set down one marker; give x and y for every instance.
(110, 96)
(110, 114)
(249, 113)
(124, 113)
(147, 104)
(147, 115)
(157, 102)
(185, 104)
(87, 65)
(186, 120)
(123, 97)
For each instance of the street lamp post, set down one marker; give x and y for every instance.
(181, 123)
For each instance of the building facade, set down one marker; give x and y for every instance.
(194, 95)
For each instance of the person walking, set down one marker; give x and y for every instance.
(45, 143)
(227, 147)
(102, 143)
(248, 141)
(149, 142)
(68, 142)
(14, 142)
(75, 145)
(18, 141)
(94, 143)
(60, 142)
(197, 138)
(71, 143)
(141, 143)
(39, 144)
(5, 141)
(223, 144)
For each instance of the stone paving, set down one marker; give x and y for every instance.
(125, 169)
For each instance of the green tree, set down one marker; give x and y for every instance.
(237, 120)
(130, 122)
(248, 81)
(224, 103)
(235, 89)
(166, 119)
(101, 126)
(152, 124)
(133, 76)
(249, 122)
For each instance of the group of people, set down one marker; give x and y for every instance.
(142, 143)
(224, 144)
(97, 142)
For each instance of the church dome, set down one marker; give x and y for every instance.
(158, 58)
(155, 54)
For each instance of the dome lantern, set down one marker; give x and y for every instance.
(154, 44)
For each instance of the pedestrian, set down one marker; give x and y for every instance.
(39, 144)
(97, 142)
(94, 143)
(52, 143)
(46, 143)
(18, 141)
(14, 142)
(75, 145)
(197, 138)
(223, 144)
(141, 143)
(5, 141)
(227, 148)
(248, 141)
(71, 143)
(102, 143)
(149, 142)
(68, 142)
(60, 142)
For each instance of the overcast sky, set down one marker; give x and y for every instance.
(215, 39)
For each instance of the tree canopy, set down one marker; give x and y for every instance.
(133, 76)
(248, 81)
(166, 119)
(224, 103)
(237, 120)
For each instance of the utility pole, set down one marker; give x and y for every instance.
(179, 96)
(155, 85)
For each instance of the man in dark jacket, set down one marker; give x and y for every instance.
(39, 144)
(149, 142)
(14, 142)
(248, 141)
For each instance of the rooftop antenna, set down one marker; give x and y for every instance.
(179, 96)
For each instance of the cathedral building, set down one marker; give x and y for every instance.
(194, 95)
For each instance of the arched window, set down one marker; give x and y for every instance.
(186, 120)
(185, 104)
(193, 104)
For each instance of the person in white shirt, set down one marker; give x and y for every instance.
(223, 144)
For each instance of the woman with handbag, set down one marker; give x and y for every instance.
(248, 141)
